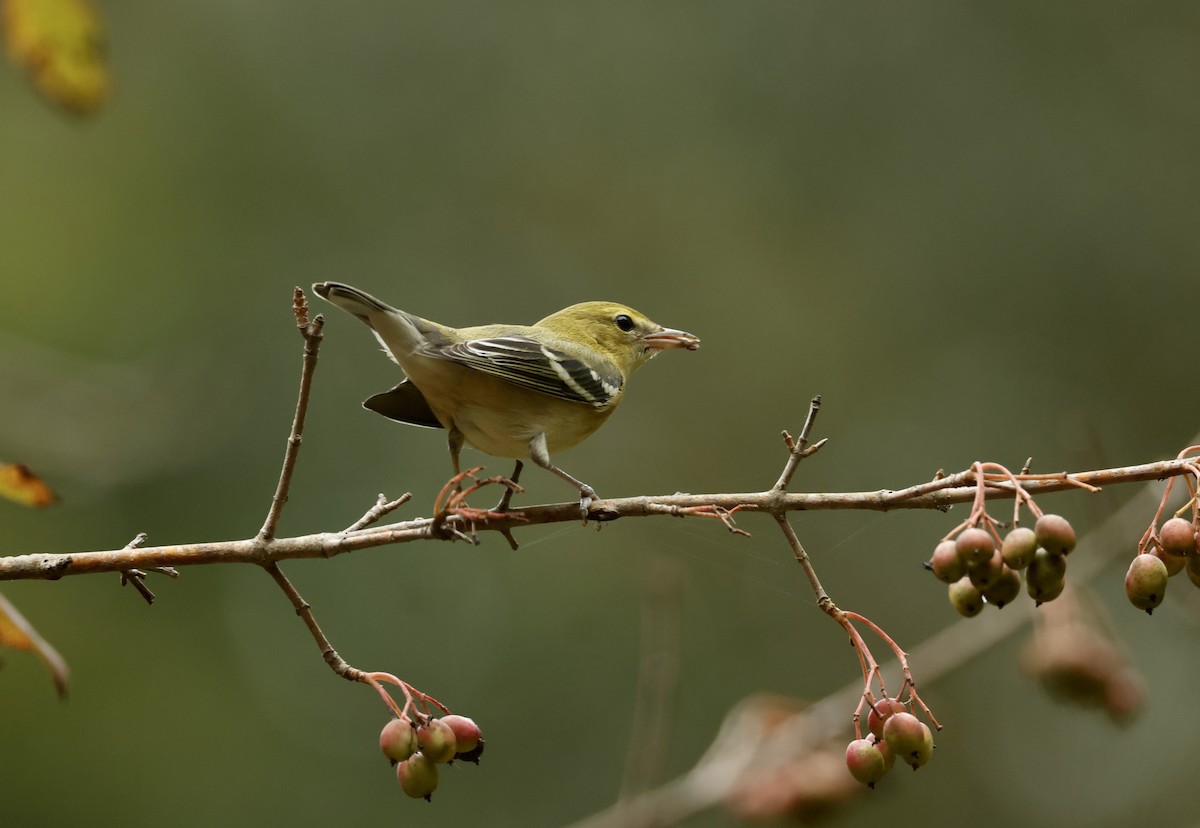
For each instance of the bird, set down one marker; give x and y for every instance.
(511, 391)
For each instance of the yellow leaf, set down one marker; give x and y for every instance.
(61, 45)
(18, 483)
(18, 634)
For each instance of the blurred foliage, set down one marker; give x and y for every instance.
(970, 227)
(20, 485)
(60, 43)
(16, 633)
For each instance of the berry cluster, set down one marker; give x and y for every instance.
(982, 568)
(1172, 548)
(417, 749)
(895, 732)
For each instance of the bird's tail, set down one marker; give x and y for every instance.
(351, 299)
(398, 332)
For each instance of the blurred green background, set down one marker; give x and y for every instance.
(971, 227)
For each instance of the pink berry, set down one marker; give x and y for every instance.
(1178, 537)
(974, 545)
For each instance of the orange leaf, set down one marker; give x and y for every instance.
(18, 634)
(61, 45)
(18, 483)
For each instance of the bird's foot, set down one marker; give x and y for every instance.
(590, 509)
(477, 515)
(452, 500)
(587, 496)
(452, 493)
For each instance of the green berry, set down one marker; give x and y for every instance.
(1018, 547)
(1005, 590)
(1045, 577)
(436, 740)
(1192, 567)
(987, 573)
(924, 751)
(1146, 582)
(418, 776)
(966, 598)
(398, 739)
(909, 738)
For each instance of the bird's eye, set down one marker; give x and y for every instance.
(623, 322)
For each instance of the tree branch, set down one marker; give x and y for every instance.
(939, 494)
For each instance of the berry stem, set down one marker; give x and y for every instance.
(902, 659)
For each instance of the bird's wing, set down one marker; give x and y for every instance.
(405, 404)
(539, 367)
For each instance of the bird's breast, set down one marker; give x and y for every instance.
(500, 418)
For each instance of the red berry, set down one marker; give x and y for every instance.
(945, 563)
(880, 711)
(889, 758)
(1173, 563)
(865, 762)
(1178, 537)
(466, 733)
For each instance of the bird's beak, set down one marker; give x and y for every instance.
(671, 338)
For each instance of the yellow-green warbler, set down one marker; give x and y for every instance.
(511, 390)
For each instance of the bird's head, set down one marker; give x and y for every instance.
(624, 335)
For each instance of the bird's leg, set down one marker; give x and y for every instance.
(454, 441)
(541, 455)
(502, 506)
(453, 497)
(449, 499)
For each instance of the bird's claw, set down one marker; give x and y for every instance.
(473, 515)
(590, 508)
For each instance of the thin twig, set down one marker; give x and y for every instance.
(382, 507)
(336, 663)
(823, 601)
(136, 577)
(798, 448)
(414, 698)
(311, 331)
